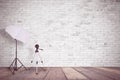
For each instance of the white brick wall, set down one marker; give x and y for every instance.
(71, 32)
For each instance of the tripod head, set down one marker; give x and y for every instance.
(37, 48)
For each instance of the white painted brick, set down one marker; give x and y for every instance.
(71, 32)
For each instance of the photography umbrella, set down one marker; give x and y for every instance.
(20, 34)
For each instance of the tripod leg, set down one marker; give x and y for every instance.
(21, 63)
(15, 66)
(36, 68)
(12, 66)
(12, 63)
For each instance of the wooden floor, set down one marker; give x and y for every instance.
(64, 73)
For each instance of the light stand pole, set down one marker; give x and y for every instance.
(14, 65)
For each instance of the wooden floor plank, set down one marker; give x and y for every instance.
(27, 75)
(116, 68)
(41, 74)
(91, 74)
(55, 74)
(106, 73)
(71, 74)
(4, 72)
(111, 70)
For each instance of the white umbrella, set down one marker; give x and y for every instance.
(18, 33)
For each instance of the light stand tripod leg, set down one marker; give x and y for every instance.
(13, 66)
(21, 63)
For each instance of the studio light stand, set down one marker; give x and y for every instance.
(18, 34)
(14, 65)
